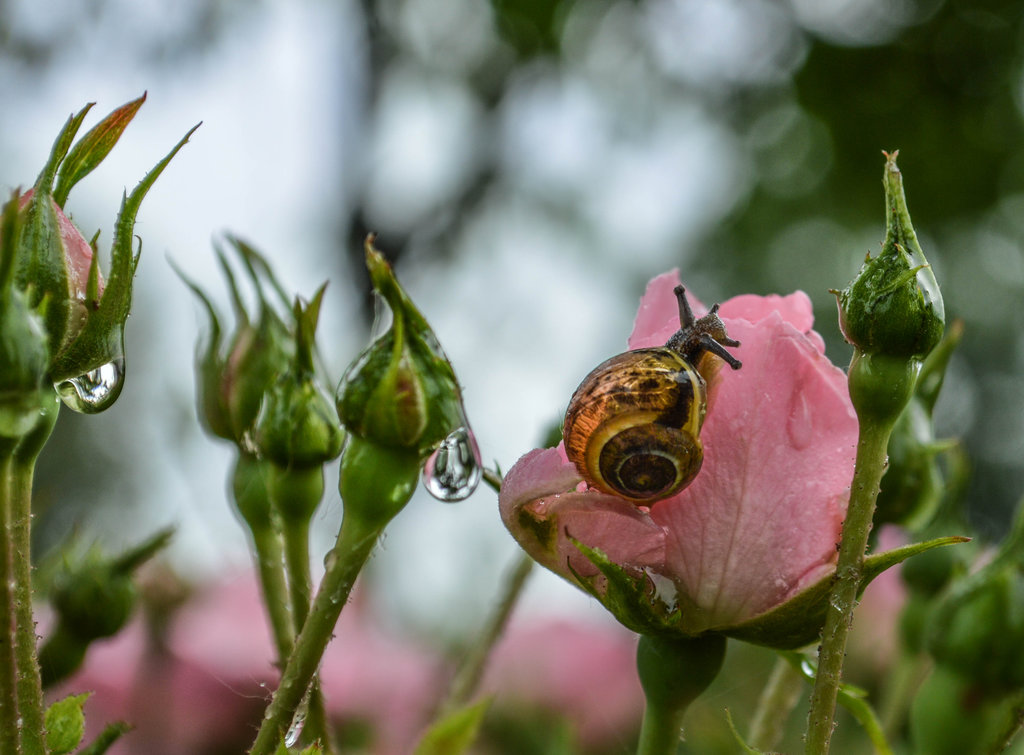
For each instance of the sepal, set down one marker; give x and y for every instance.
(65, 724)
(642, 602)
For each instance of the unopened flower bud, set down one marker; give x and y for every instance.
(298, 429)
(954, 715)
(24, 351)
(93, 599)
(85, 315)
(978, 628)
(401, 392)
(298, 426)
(894, 307)
(231, 384)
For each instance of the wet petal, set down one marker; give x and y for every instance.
(542, 509)
(763, 517)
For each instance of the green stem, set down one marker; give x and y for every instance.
(249, 488)
(870, 465)
(661, 731)
(467, 678)
(778, 699)
(673, 673)
(354, 545)
(30, 686)
(270, 563)
(296, 558)
(10, 735)
(300, 583)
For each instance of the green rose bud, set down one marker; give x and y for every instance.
(401, 392)
(92, 599)
(952, 715)
(978, 627)
(24, 350)
(84, 314)
(979, 630)
(298, 430)
(893, 307)
(402, 406)
(298, 426)
(231, 383)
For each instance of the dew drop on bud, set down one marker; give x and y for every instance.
(95, 390)
(453, 471)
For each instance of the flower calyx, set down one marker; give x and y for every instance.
(401, 392)
(233, 379)
(894, 307)
(297, 426)
(84, 312)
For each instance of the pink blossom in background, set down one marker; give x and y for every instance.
(584, 672)
(761, 521)
(205, 689)
(875, 636)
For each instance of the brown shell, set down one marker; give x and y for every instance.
(633, 426)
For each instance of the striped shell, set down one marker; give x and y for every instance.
(633, 426)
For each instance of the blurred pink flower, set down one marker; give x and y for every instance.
(875, 637)
(584, 672)
(760, 523)
(205, 688)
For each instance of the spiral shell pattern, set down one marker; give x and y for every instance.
(633, 426)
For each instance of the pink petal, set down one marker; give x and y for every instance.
(658, 316)
(763, 517)
(542, 509)
(796, 309)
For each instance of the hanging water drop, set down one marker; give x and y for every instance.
(453, 471)
(95, 390)
(291, 737)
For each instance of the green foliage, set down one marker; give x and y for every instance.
(455, 733)
(65, 724)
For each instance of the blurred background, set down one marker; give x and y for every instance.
(528, 165)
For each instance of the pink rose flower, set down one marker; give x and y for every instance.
(757, 528)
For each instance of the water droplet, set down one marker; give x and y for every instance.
(95, 390)
(454, 470)
(330, 559)
(291, 737)
(800, 424)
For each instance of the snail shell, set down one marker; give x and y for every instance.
(633, 426)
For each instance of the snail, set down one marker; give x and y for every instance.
(632, 427)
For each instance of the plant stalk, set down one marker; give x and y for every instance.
(10, 734)
(354, 545)
(869, 467)
(779, 697)
(470, 672)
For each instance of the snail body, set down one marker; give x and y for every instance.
(633, 425)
